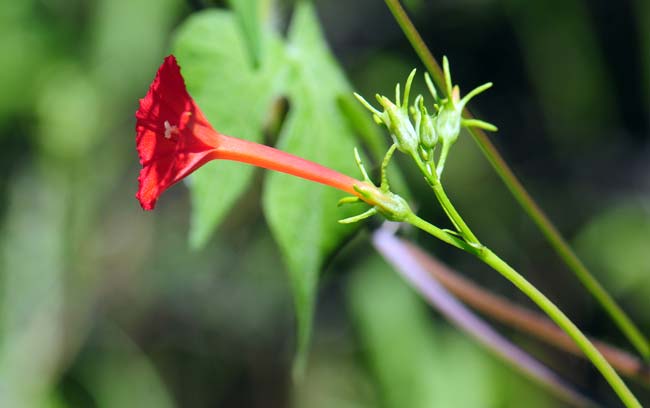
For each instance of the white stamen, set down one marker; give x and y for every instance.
(170, 129)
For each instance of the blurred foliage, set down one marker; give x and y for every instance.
(586, 107)
(102, 305)
(616, 242)
(420, 363)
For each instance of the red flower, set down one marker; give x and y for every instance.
(174, 138)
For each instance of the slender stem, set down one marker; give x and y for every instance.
(544, 303)
(550, 232)
(450, 210)
(438, 233)
(562, 248)
(416, 41)
(519, 317)
(565, 324)
(398, 253)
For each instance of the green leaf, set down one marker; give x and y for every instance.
(235, 98)
(249, 15)
(302, 215)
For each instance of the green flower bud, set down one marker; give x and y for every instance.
(447, 123)
(428, 134)
(399, 125)
(425, 124)
(395, 117)
(390, 205)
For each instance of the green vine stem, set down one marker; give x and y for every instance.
(550, 232)
(434, 182)
(520, 318)
(544, 303)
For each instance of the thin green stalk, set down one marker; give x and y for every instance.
(439, 233)
(544, 303)
(550, 232)
(431, 178)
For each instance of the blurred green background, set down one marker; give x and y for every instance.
(103, 305)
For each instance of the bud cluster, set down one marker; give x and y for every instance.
(417, 132)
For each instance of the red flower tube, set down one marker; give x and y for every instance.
(174, 138)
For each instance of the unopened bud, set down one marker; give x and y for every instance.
(425, 123)
(400, 127)
(447, 123)
(390, 205)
